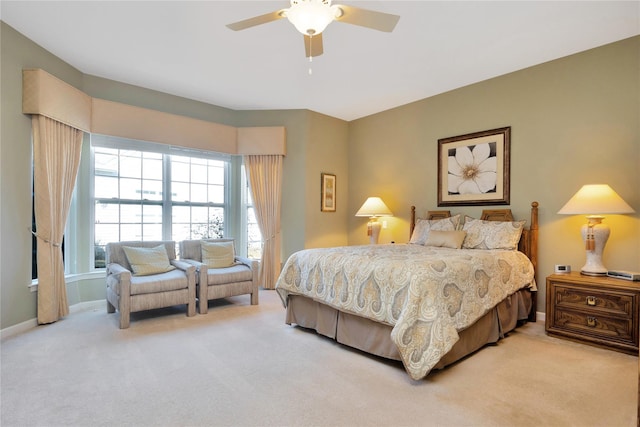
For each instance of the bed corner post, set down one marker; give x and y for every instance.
(412, 225)
(533, 256)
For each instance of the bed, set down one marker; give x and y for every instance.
(459, 284)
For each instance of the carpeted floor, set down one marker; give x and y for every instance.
(240, 365)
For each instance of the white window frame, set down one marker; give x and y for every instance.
(245, 205)
(137, 145)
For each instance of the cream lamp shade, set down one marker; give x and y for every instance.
(373, 207)
(595, 200)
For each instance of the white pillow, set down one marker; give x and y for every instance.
(424, 226)
(146, 261)
(218, 254)
(446, 239)
(491, 234)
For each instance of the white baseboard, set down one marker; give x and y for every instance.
(541, 316)
(17, 329)
(88, 305)
(32, 323)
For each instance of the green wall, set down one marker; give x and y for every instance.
(17, 302)
(574, 121)
(327, 152)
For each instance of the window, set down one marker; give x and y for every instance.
(197, 198)
(34, 239)
(253, 236)
(144, 191)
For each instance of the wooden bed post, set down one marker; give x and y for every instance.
(533, 239)
(533, 256)
(412, 225)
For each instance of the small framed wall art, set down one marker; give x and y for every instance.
(474, 169)
(328, 192)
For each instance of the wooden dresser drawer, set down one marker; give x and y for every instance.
(587, 300)
(595, 326)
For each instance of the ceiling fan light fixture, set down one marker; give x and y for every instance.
(310, 17)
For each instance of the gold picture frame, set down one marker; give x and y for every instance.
(328, 192)
(474, 169)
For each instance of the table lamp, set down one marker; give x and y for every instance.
(373, 207)
(595, 200)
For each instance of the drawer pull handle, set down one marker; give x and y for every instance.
(592, 300)
(591, 321)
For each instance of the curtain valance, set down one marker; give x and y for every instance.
(48, 96)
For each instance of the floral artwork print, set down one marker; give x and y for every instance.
(472, 169)
(475, 168)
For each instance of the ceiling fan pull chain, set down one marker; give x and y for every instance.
(310, 54)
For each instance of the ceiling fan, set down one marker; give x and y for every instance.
(311, 17)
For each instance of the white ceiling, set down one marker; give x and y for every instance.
(183, 48)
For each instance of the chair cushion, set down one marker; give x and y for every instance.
(146, 261)
(163, 282)
(217, 254)
(236, 273)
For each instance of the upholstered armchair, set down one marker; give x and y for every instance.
(220, 273)
(146, 275)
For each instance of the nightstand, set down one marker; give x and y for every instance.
(600, 311)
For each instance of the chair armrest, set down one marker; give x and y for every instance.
(118, 274)
(190, 271)
(254, 265)
(193, 262)
(246, 261)
(181, 264)
(200, 269)
(117, 269)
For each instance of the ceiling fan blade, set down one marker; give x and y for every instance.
(313, 45)
(367, 18)
(257, 20)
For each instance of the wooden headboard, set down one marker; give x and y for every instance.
(528, 243)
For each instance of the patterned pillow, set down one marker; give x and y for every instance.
(446, 239)
(146, 261)
(491, 234)
(424, 226)
(218, 254)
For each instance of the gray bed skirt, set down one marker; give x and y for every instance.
(375, 338)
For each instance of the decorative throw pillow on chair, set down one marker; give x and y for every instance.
(146, 261)
(218, 254)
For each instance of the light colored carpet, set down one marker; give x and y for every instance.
(240, 365)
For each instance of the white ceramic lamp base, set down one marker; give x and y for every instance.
(598, 232)
(373, 227)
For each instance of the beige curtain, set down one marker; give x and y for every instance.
(56, 157)
(265, 178)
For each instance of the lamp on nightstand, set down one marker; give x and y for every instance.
(595, 200)
(373, 207)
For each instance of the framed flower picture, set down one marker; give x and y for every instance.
(474, 169)
(328, 192)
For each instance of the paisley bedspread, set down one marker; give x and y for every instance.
(426, 294)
